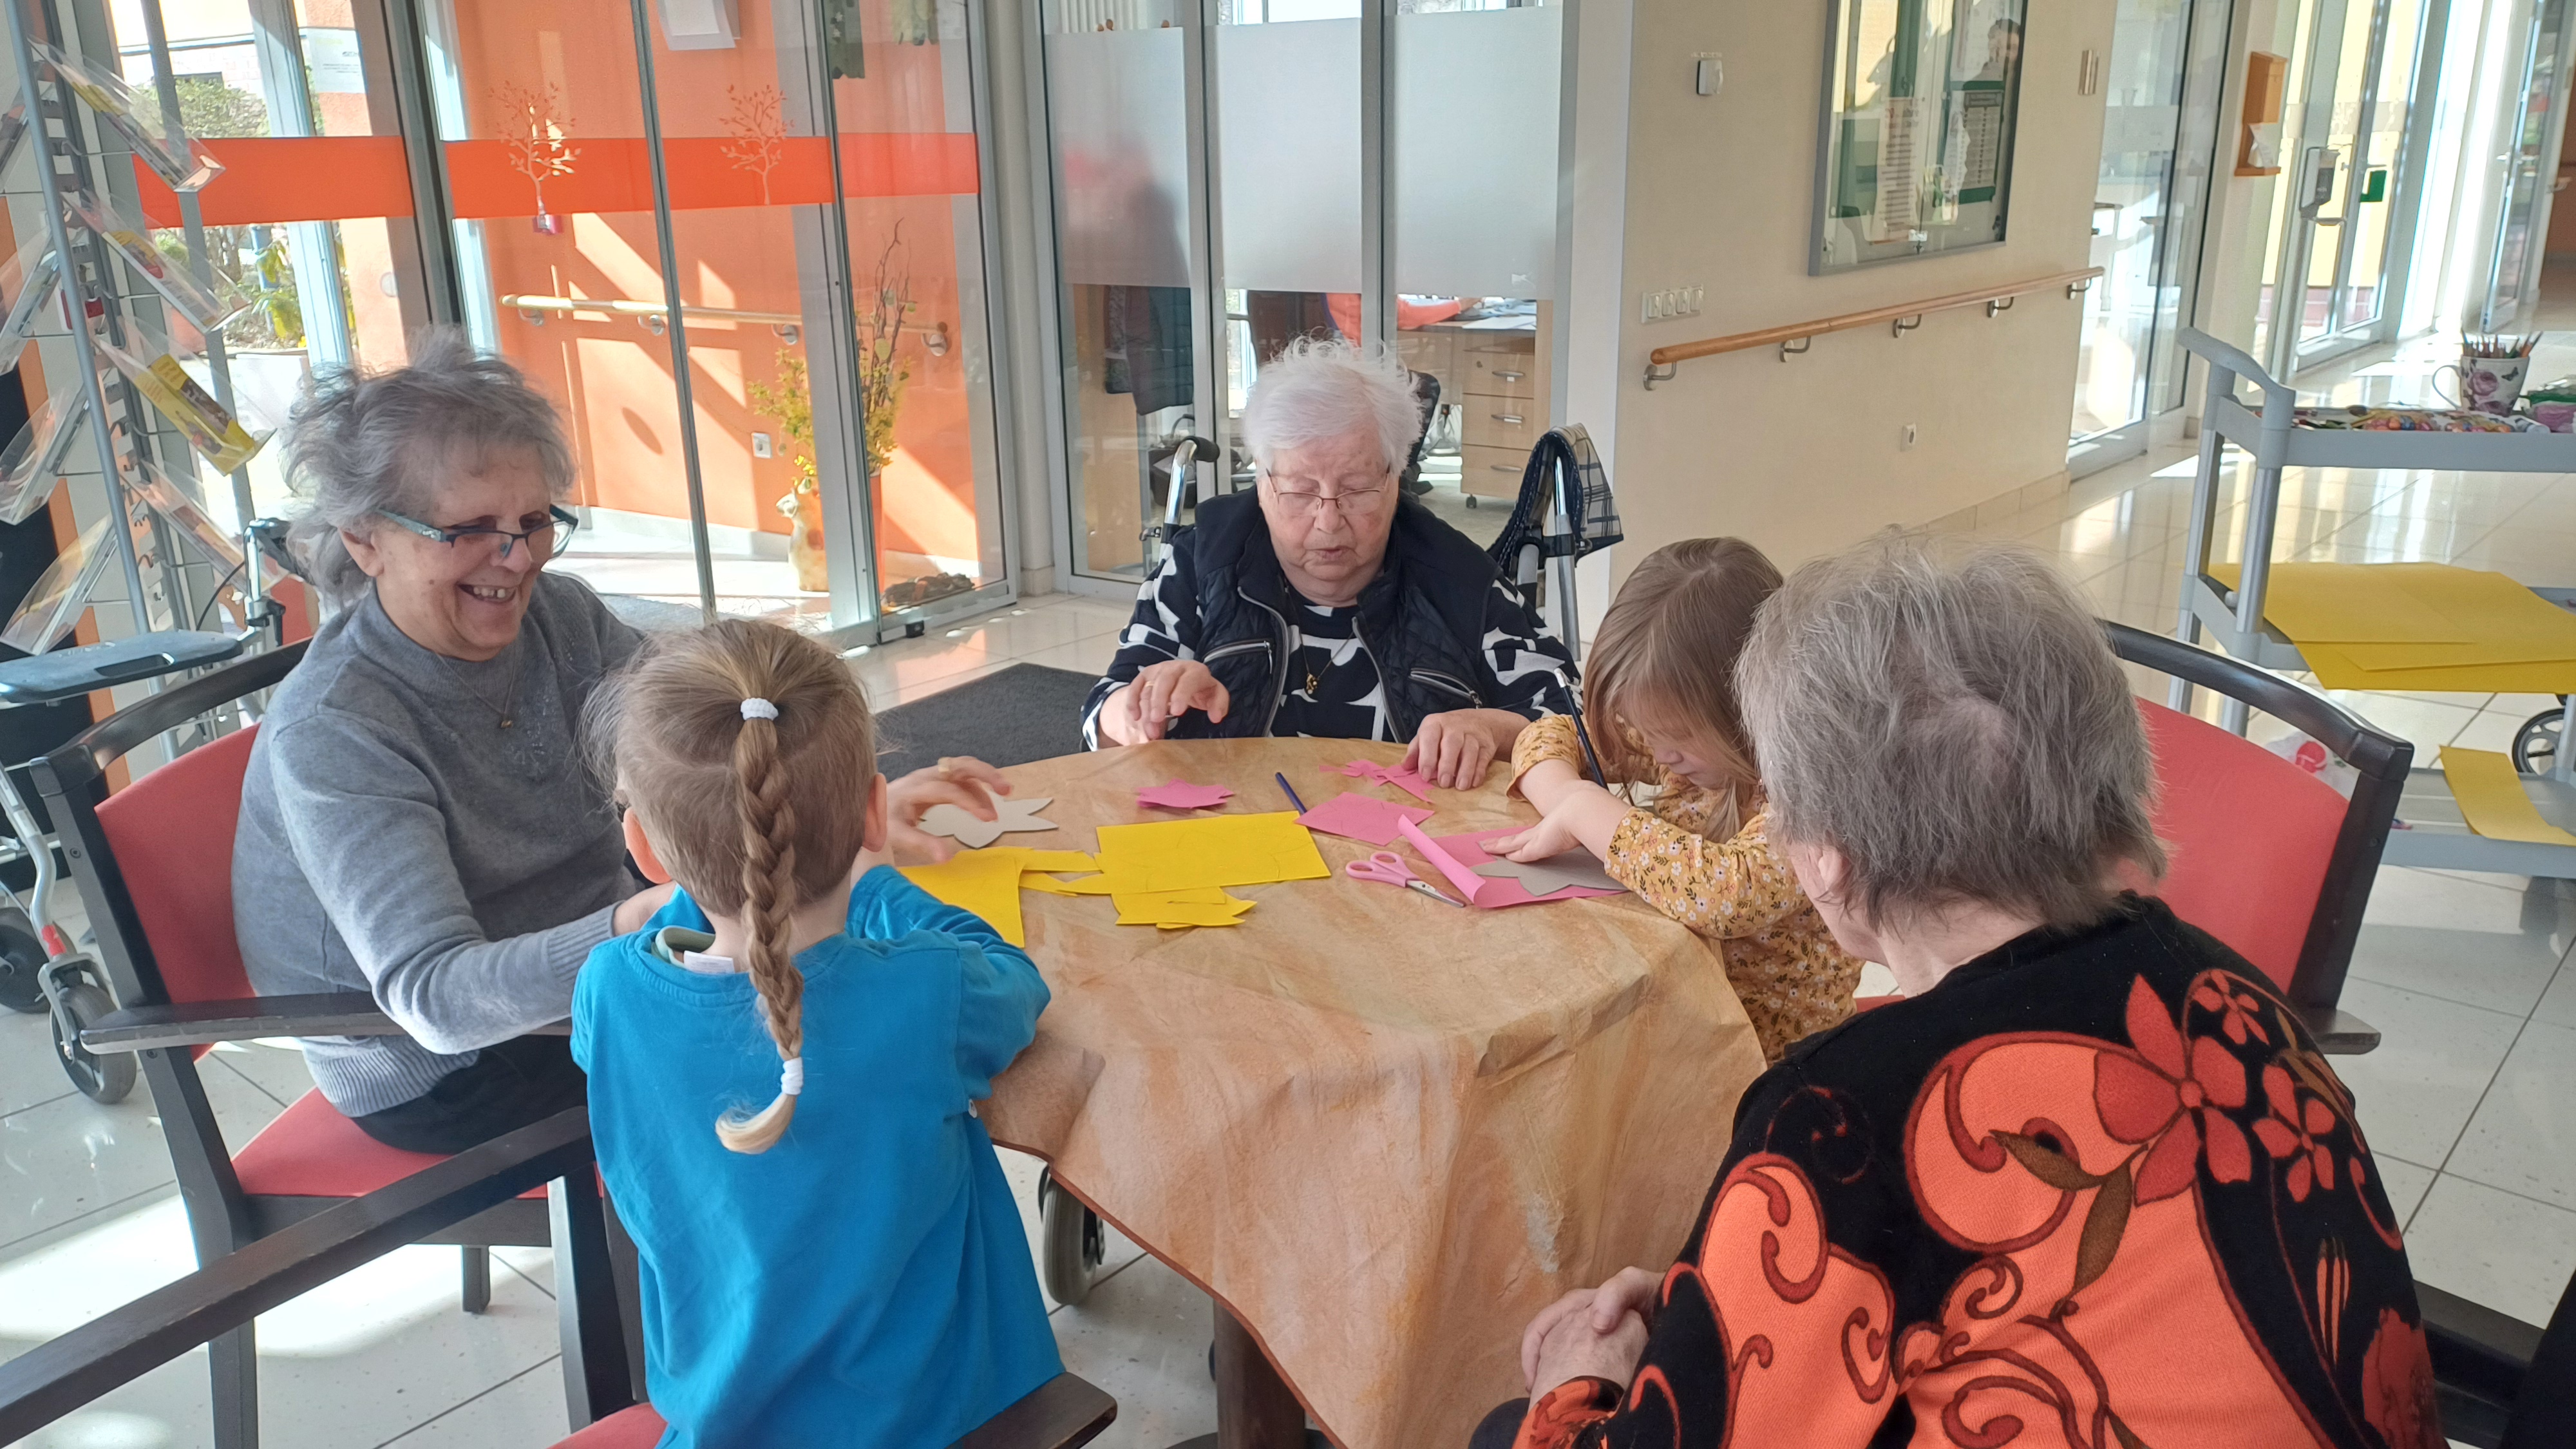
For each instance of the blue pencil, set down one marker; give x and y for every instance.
(1292, 792)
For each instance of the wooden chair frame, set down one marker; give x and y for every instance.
(222, 1217)
(2379, 758)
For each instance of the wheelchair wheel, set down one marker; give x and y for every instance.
(1071, 1241)
(21, 954)
(103, 1079)
(2535, 745)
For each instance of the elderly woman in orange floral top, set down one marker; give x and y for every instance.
(1663, 670)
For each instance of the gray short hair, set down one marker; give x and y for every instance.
(1956, 726)
(1316, 390)
(363, 443)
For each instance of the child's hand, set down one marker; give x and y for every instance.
(961, 781)
(1585, 815)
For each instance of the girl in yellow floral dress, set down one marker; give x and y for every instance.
(1659, 689)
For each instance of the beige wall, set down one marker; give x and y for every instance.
(1804, 457)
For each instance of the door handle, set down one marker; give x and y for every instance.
(1511, 376)
(2327, 220)
(1515, 419)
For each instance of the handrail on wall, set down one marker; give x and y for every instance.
(1902, 317)
(656, 317)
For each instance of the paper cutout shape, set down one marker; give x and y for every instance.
(2492, 800)
(1354, 816)
(1409, 781)
(1212, 850)
(1182, 795)
(1173, 910)
(985, 882)
(1544, 877)
(1010, 815)
(1045, 885)
(1457, 856)
(1063, 860)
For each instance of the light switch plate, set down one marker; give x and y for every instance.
(761, 446)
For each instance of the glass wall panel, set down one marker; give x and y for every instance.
(1118, 141)
(2131, 209)
(1473, 209)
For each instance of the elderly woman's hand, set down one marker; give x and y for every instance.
(1575, 1349)
(1453, 749)
(1632, 1290)
(1160, 693)
(961, 781)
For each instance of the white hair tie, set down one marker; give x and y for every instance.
(758, 708)
(791, 1077)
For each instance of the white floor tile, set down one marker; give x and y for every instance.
(2523, 1138)
(2435, 1058)
(71, 1156)
(29, 1071)
(2558, 1004)
(2405, 1184)
(1143, 1338)
(275, 1067)
(2447, 937)
(524, 1412)
(2510, 1253)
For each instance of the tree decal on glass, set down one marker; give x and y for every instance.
(759, 133)
(538, 142)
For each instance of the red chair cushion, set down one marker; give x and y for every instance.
(172, 835)
(2249, 835)
(311, 1150)
(635, 1428)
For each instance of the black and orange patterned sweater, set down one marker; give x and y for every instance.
(2094, 1189)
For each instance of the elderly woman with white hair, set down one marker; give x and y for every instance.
(416, 822)
(2089, 1183)
(1327, 603)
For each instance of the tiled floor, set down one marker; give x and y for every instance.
(2470, 1102)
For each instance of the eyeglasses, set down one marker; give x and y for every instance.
(1354, 502)
(544, 542)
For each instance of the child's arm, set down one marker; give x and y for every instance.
(1732, 887)
(1000, 992)
(1547, 761)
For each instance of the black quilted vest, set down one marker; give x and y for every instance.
(1422, 619)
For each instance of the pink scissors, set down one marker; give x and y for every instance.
(1389, 867)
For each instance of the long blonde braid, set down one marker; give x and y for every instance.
(769, 905)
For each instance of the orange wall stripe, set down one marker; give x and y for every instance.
(292, 178)
(341, 178)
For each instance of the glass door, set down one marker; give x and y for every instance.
(2150, 201)
(748, 262)
(2349, 271)
(2529, 141)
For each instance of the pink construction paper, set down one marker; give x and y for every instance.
(1182, 795)
(1407, 780)
(1361, 817)
(1457, 856)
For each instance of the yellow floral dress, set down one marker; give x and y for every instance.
(1735, 890)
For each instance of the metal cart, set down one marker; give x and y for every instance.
(2435, 834)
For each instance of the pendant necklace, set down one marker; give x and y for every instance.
(507, 710)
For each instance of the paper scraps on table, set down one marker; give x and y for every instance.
(1457, 856)
(1354, 816)
(1010, 815)
(1211, 850)
(1172, 910)
(985, 882)
(1409, 781)
(1575, 867)
(1182, 795)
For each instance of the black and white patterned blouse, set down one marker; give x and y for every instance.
(1332, 689)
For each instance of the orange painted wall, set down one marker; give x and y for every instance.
(612, 375)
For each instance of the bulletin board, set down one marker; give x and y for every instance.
(1915, 147)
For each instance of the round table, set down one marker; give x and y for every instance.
(1381, 1132)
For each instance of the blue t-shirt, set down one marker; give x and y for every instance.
(866, 1281)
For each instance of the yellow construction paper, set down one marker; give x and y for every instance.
(1201, 907)
(2492, 800)
(2351, 603)
(986, 882)
(1215, 850)
(2336, 670)
(2359, 624)
(1089, 885)
(1047, 885)
(1056, 860)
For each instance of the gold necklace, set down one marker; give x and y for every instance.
(506, 711)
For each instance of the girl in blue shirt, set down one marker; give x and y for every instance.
(782, 1065)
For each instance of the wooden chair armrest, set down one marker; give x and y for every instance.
(54, 1379)
(201, 1023)
(1061, 1413)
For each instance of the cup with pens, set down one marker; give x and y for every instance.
(2490, 372)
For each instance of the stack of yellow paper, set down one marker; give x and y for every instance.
(1171, 910)
(2489, 793)
(2419, 627)
(988, 882)
(1169, 873)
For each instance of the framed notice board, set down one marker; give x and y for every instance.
(1914, 153)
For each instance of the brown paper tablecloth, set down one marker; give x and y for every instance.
(1385, 1132)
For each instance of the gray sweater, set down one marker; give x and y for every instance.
(396, 840)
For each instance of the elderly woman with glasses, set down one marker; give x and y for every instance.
(1326, 603)
(2088, 1183)
(416, 822)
